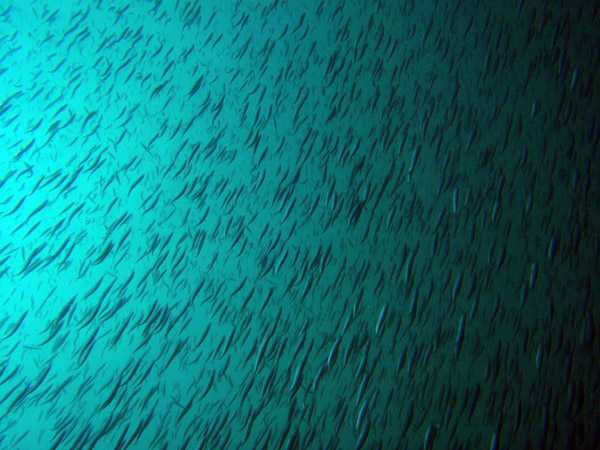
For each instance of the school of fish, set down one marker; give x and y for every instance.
(299, 225)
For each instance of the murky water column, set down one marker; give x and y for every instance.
(299, 225)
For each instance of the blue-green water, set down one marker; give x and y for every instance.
(293, 224)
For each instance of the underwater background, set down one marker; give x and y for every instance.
(300, 225)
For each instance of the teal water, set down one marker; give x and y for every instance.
(280, 224)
